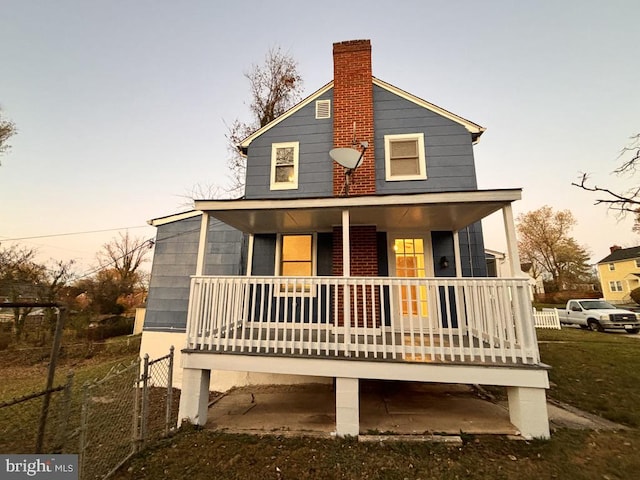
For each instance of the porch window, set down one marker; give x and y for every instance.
(284, 166)
(296, 254)
(404, 157)
(615, 286)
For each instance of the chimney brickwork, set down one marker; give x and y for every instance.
(353, 102)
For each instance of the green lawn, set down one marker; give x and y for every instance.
(23, 373)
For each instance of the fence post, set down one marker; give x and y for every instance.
(136, 437)
(53, 361)
(84, 426)
(169, 393)
(63, 427)
(145, 399)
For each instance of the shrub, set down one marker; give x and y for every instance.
(635, 295)
(5, 340)
(110, 327)
(562, 297)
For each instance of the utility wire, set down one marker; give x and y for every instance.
(148, 243)
(71, 233)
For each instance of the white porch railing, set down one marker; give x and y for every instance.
(388, 318)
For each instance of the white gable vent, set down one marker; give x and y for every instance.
(323, 109)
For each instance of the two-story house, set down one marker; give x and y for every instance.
(323, 273)
(619, 274)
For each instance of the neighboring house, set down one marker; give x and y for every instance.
(619, 273)
(300, 282)
(498, 266)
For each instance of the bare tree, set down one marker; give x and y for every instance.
(7, 130)
(545, 241)
(275, 87)
(23, 279)
(125, 255)
(622, 202)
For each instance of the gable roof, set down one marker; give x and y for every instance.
(622, 254)
(474, 129)
(247, 141)
(156, 222)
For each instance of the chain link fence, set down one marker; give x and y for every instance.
(38, 422)
(131, 406)
(105, 421)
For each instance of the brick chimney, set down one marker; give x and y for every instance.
(353, 102)
(613, 248)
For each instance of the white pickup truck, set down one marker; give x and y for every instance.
(599, 315)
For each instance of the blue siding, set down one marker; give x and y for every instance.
(472, 256)
(315, 177)
(448, 146)
(174, 262)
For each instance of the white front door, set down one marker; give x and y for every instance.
(410, 257)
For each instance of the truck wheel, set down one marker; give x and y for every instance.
(633, 330)
(595, 326)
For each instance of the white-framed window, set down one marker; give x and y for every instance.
(615, 286)
(296, 257)
(637, 262)
(612, 266)
(323, 109)
(284, 165)
(404, 157)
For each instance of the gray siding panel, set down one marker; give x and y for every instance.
(448, 147)
(174, 262)
(472, 256)
(315, 178)
(264, 255)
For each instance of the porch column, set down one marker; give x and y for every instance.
(512, 242)
(250, 255)
(347, 407)
(456, 252)
(194, 397)
(346, 272)
(346, 259)
(528, 411)
(202, 245)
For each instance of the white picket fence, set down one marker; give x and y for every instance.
(546, 318)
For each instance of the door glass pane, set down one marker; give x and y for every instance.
(410, 263)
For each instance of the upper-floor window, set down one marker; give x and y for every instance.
(615, 286)
(638, 262)
(612, 266)
(404, 157)
(284, 165)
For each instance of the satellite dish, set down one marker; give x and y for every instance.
(350, 159)
(347, 157)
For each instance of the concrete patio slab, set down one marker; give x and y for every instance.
(389, 408)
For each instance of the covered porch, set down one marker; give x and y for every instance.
(416, 328)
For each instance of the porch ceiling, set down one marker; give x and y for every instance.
(433, 211)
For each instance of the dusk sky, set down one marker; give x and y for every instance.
(122, 106)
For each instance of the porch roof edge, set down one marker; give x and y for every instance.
(450, 211)
(453, 197)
